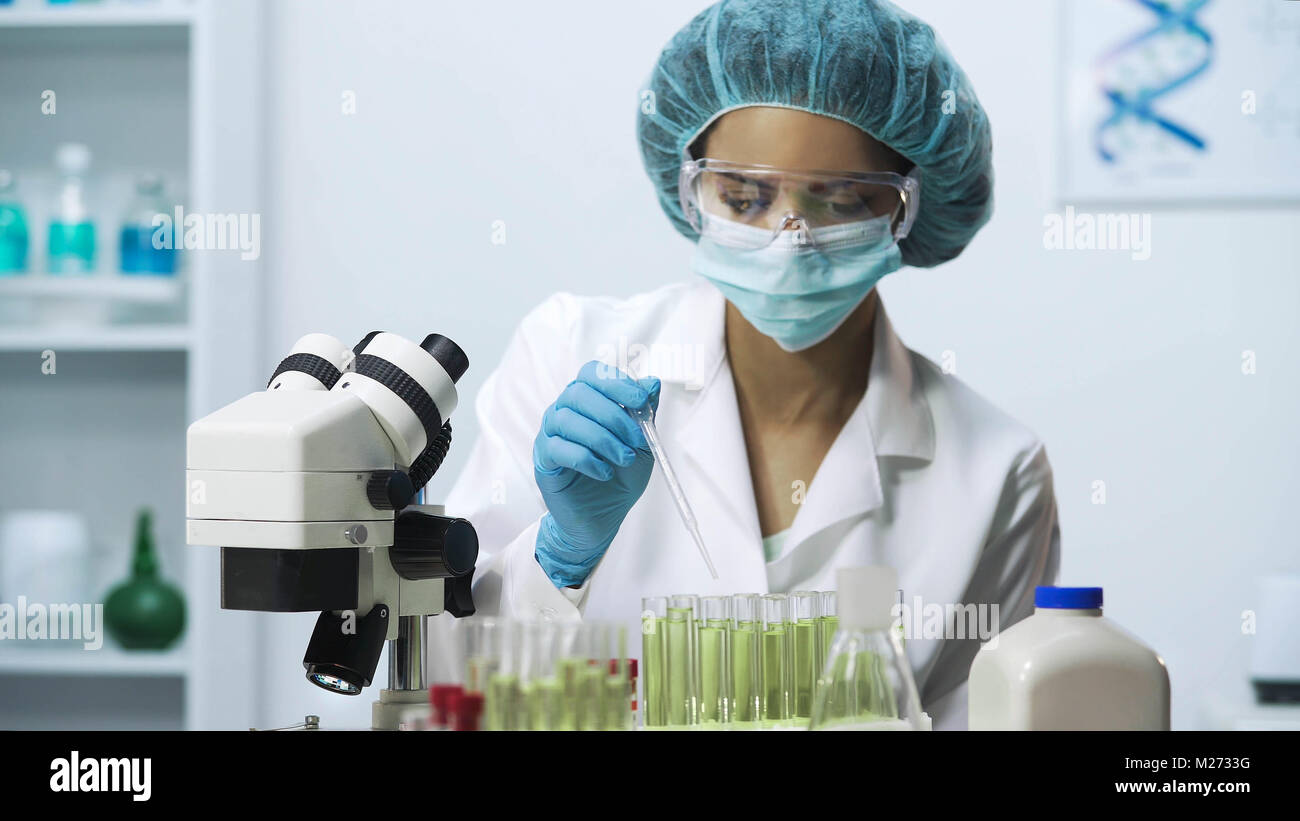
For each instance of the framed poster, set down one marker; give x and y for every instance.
(1181, 100)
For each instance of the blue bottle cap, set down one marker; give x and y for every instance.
(1068, 598)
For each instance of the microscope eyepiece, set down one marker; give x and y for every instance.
(315, 362)
(449, 355)
(410, 388)
(365, 340)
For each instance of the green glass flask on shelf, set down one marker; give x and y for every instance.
(144, 612)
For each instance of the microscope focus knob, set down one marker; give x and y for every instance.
(389, 490)
(426, 546)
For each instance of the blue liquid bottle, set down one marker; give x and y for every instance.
(138, 252)
(72, 234)
(13, 229)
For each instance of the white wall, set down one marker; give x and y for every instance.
(525, 112)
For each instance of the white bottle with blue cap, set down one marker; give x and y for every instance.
(1067, 667)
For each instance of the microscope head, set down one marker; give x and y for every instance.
(307, 488)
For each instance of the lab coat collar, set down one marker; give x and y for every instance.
(896, 408)
(892, 419)
(896, 412)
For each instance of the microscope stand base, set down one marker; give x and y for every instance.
(386, 713)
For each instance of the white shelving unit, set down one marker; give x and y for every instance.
(25, 13)
(106, 435)
(113, 288)
(108, 661)
(167, 338)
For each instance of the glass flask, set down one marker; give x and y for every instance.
(867, 682)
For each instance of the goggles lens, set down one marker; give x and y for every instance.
(716, 195)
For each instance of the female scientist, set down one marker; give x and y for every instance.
(808, 148)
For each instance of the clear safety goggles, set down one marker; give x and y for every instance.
(750, 206)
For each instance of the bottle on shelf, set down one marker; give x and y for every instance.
(144, 612)
(139, 253)
(72, 234)
(13, 228)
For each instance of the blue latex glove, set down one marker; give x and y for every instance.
(591, 463)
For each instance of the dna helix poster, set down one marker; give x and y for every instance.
(1186, 100)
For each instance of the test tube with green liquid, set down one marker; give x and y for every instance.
(544, 697)
(828, 621)
(502, 705)
(571, 666)
(715, 659)
(526, 663)
(804, 647)
(746, 658)
(592, 673)
(477, 653)
(654, 679)
(776, 657)
(615, 699)
(681, 654)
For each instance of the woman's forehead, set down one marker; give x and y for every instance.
(792, 139)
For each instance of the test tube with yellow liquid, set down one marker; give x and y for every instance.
(715, 660)
(746, 659)
(654, 674)
(503, 702)
(804, 647)
(776, 657)
(681, 654)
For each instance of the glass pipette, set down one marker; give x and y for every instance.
(645, 418)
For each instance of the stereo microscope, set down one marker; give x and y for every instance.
(309, 489)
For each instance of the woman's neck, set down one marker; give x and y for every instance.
(823, 383)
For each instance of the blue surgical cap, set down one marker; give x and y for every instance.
(865, 62)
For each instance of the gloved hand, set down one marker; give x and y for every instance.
(591, 463)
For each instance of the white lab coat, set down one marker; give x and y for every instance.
(925, 477)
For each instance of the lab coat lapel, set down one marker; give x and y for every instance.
(892, 419)
(705, 428)
(845, 487)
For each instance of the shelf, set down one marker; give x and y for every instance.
(123, 338)
(106, 661)
(29, 14)
(139, 288)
